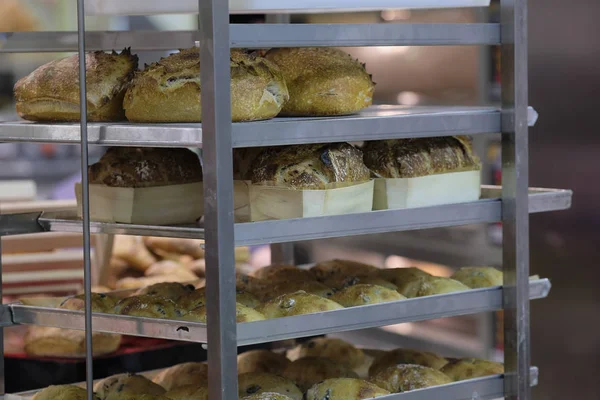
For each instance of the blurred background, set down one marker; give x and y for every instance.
(564, 54)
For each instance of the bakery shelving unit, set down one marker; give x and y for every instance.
(510, 204)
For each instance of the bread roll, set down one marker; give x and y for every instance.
(191, 247)
(405, 377)
(295, 304)
(468, 368)
(309, 371)
(310, 166)
(115, 387)
(362, 294)
(127, 248)
(339, 268)
(169, 90)
(62, 392)
(44, 341)
(344, 389)
(190, 373)
(409, 158)
(51, 92)
(101, 303)
(242, 313)
(146, 167)
(172, 269)
(341, 282)
(167, 290)
(189, 392)
(262, 361)
(149, 307)
(281, 272)
(197, 298)
(323, 81)
(332, 348)
(249, 283)
(280, 288)
(145, 281)
(436, 285)
(479, 277)
(406, 356)
(267, 396)
(259, 382)
(398, 276)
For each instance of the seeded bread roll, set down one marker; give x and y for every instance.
(260, 382)
(344, 389)
(479, 277)
(51, 92)
(331, 348)
(406, 377)
(262, 361)
(334, 268)
(309, 371)
(409, 158)
(115, 387)
(62, 392)
(296, 303)
(363, 294)
(146, 167)
(468, 368)
(44, 341)
(323, 81)
(311, 166)
(190, 373)
(169, 90)
(406, 356)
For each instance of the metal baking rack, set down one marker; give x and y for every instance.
(510, 204)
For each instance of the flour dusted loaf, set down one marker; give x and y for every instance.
(169, 90)
(311, 166)
(51, 92)
(323, 81)
(145, 167)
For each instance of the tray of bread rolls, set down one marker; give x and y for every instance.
(321, 367)
(280, 302)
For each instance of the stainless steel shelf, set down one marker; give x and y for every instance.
(145, 7)
(347, 319)
(374, 123)
(487, 210)
(263, 36)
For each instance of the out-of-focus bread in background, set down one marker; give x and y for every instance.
(15, 16)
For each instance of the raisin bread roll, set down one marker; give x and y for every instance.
(468, 368)
(406, 356)
(406, 377)
(296, 303)
(363, 294)
(344, 389)
(409, 158)
(51, 92)
(169, 90)
(332, 348)
(309, 371)
(259, 382)
(310, 166)
(479, 277)
(323, 81)
(190, 373)
(115, 387)
(262, 361)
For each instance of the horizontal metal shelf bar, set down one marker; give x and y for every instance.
(352, 318)
(263, 36)
(374, 123)
(487, 210)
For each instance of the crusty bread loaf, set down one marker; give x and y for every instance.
(311, 166)
(146, 167)
(344, 389)
(190, 373)
(409, 158)
(261, 382)
(261, 360)
(469, 368)
(169, 90)
(51, 92)
(62, 392)
(44, 341)
(406, 356)
(323, 81)
(406, 377)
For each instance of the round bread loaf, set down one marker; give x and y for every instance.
(262, 361)
(242, 314)
(323, 81)
(259, 382)
(145, 167)
(362, 294)
(51, 92)
(149, 307)
(309, 371)
(118, 386)
(167, 290)
(468, 368)
(44, 341)
(101, 303)
(341, 268)
(344, 389)
(309, 166)
(190, 373)
(332, 348)
(169, 90)
(267, 396)
(339, 282)
(62, 392)
(406, 356)
(189, 392)
(405, 377)
(282, 272)
(479, 277)
(296, 303)
(290, 286)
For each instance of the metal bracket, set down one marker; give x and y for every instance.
(6, 316)
(19, 224)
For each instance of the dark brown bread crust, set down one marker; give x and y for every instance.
(146, 167)
(311, 166)
(409, 158)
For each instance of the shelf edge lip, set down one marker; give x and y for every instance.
(352, 318)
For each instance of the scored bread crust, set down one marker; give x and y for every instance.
(311, 166)
(145, 167)
(51, 92)
(409, 158)
(169, 90)
(323, 81)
